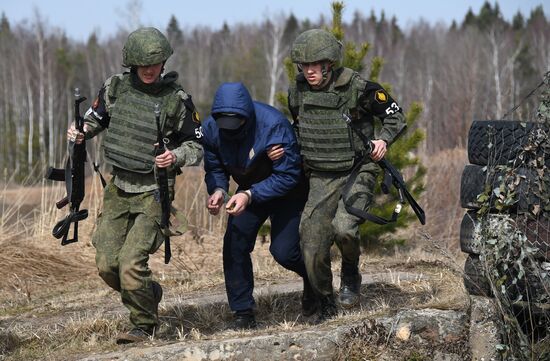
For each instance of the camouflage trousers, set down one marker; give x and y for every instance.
(127, 233)
(325, 221)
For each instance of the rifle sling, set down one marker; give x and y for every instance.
(167, 250)
(389, 179)
(96, 169)
(61, 229)
(365, 216)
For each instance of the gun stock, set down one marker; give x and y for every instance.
(74, 177)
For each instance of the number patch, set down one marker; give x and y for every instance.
(392, 109)
(198, 132)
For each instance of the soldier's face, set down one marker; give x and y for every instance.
(149, 74)
(312, 72)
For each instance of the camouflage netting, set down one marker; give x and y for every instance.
(515, 243)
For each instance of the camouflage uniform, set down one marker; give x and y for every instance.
(330, 150)
(128, 229)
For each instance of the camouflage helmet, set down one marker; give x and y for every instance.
(145, 46)
(316, 45)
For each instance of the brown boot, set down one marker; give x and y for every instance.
(135, 335)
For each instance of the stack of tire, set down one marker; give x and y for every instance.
(492, 143)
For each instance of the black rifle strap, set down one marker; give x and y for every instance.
(365, 216)
(96, 169)
(167, 250)
(61, 229)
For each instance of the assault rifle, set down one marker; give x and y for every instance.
(164, 190)
(73, 176)
(391, 177)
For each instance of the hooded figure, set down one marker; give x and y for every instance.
(236, 139)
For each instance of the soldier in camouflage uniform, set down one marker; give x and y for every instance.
(323, 91)
(128, 229)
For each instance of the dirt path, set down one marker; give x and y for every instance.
(82, 322)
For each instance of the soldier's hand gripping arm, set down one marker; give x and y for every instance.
(275, 152)
(286, 170)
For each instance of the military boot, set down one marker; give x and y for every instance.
(350, 290)
(243, 320)
(310, 303)
(135, 335)
(327, 309)
(157, 293)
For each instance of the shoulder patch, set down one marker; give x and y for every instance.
(196, 117)
(381, 96)
(188, 102)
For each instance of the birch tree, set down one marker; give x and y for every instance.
(275, 51)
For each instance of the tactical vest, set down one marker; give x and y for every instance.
(327, 143)
(132, 129)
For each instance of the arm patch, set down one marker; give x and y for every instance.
(376, 100)
(99, 109)
(190, 128)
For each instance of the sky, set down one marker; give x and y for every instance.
(80, 18)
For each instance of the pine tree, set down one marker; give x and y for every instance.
(518, 22)
(173, 30)
(400, 153)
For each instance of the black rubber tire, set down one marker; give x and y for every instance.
(505, 136)
(472, 183)
(475, 178)
(475, 281)
(467, 232)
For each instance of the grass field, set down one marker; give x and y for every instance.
(54, 306)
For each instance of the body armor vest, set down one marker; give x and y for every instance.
(132, 130)
(327, 143)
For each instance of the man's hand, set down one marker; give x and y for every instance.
(73, 135)
(275, 152)
(237, 204)
(378, 150)
(165, 159)
(215, 202)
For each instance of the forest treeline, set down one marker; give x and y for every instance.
(475, 69)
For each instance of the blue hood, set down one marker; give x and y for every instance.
(233, 98)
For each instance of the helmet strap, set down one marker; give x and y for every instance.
(325, 70)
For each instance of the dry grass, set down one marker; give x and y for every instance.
(441, 201)
(54, 305)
